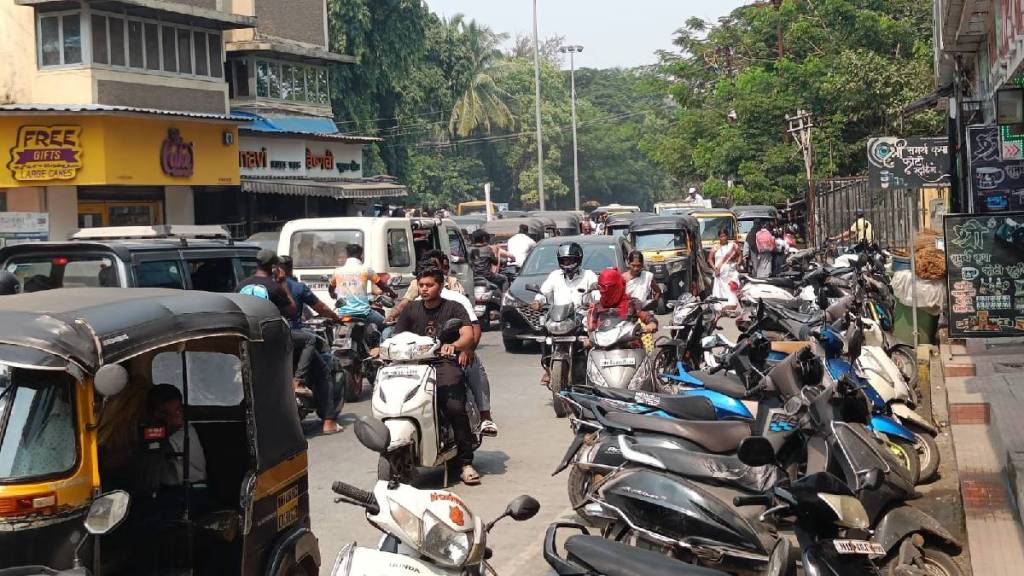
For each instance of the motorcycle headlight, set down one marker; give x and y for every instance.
(561, 327)
(407, 521)
(443, 544)
(509, 300)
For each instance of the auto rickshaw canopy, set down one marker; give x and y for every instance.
(506, 228)
(568, 223)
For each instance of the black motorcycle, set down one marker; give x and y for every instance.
(352, 342)
(323, 329)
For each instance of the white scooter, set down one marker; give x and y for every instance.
(427, 532)
(403, 398)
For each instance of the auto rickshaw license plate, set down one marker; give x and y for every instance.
(858, 547)
(610, 362)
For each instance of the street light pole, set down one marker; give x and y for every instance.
(572, 50)
(540, 130)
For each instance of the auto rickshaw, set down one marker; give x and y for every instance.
(568, 223)
(79, 417)
(748, 216)
(618, 224)
(670, 248)
(711, 221)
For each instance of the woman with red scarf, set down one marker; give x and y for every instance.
(614, 297)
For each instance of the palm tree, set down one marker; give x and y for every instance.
(481, 105)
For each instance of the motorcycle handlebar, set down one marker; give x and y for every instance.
(757, 500)
(358, 496)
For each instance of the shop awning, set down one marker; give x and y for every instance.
(324, 189)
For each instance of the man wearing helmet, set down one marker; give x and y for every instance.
(569, 282)
(9, 283)
(566, 285)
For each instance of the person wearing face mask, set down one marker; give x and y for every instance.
(615, 299)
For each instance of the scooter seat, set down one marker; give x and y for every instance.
(685, 407)
(715, 436)
(723, 383)
(612, 558)
(718, 469)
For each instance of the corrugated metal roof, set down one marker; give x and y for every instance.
(321, 128)
(336, 190)
(106, 109)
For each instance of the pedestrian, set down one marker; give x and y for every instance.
(640, 283)
(761, 251)
(724, 259)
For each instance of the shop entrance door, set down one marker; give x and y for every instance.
(128, 213)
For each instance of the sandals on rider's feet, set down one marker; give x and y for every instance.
(470, 476)
(334, 428)
(488, 428)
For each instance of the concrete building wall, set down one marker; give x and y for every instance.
(302, 20)
(27, 199)
(179, 205)
(159, 93)
(62, 205)
(17, 52)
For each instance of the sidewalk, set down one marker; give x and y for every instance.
(984, 389)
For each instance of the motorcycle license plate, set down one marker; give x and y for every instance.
(859, 547)
(610, 362)
(318, 286)
(402, 371)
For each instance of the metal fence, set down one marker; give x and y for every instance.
(890, 211)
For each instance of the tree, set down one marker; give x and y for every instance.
(481, 105)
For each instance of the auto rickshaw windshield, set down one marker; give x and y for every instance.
(660, 240)
(37, 424)
(710, 225)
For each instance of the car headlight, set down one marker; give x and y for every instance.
(443, 544)
(561, 327)
(509, 300)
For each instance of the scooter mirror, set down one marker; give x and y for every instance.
(523, 508)
(373, 434)
(872, 479)
(533, 288)
(450, 330)
(107, 512)
(756, 451)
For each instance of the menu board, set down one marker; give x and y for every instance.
(985, 274)
(997, 184)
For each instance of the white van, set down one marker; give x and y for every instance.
(390, 245)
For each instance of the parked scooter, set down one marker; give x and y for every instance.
(425, 531)
(403, 397)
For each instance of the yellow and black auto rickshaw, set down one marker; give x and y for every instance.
(79, 417)
(671, 249)
(711, 221)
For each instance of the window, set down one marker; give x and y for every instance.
(116, 33)
(170, 49)
(287, 85)
(48, 271)
(292, 82)
(239, 77)
(322, 248)
(216, 60)
(398, 248)
(323, 90)
(214, 378)
(135, 44)
(152, 46)
(100, 54)
(184, 51)
(159, 274)
(213, 275)
(37, 415)
(60, 40)
(199, 49)
(456, 247)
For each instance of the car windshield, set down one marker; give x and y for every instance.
(322, 248)
(596, 257)
(38, 272)
(37, 424)
(745, 226)
(659, 240)
(710, 225)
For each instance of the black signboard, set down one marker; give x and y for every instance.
(908, 162)
(997, 185)
(985, 274)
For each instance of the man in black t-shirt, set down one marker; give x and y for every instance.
(270, 283)
(427, 317)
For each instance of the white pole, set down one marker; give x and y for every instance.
(912, 226)
(487, 199)
(575, 149)
(540, 130)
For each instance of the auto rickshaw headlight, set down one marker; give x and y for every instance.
(676, 265)
(444, 544)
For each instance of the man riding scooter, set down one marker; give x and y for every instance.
(484, 258)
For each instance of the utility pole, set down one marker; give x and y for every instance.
(540, 129)
(800, 127)
(572, 50)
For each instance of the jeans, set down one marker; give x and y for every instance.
(479, 384)
(373, 317)
(450, 396)
(313, 373)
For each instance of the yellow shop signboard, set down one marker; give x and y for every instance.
(39, 150)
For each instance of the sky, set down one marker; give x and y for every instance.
(612, 32)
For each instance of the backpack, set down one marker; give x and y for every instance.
(765, 241)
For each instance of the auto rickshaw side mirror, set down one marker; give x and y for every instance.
(110, 380)
(107, 512)
(373, 434)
